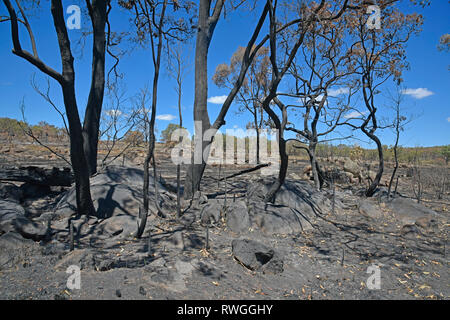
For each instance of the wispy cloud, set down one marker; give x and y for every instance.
(113, 113)
(418, 93)
(331, 93)
(217, 99)
(354, 114)
(166, 117)
(336, 92)
(448, 119)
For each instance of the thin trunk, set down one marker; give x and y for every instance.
(151, 146)
(397, 131)
(178, 165)
(255, 121)
(373, 186)
(314, 165)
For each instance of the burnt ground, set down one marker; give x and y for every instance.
(329, 261)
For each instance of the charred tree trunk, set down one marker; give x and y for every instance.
(397, 138)
(255, 121)
(77, 156)
(317, 172)
(98, 15)
(284, 158)
(66, 79)
(205, 29)
(151, 145)
(376, 181)
(206, 25)
(180, 115)
(314, 165)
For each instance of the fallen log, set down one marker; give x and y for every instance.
(245, 171)
(37, 175)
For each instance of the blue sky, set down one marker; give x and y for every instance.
(428, 98)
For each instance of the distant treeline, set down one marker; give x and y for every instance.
(12, 130)
(423, 155)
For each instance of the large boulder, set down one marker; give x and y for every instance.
(278, 219)
(9, 212)
(211, 212)
(12, 218)
(115, 191)
(31, 230)
(352, 167)
(10, 192)
(237, 216)
(409, 212)
(122, 226)
(257, 256)
(369, 209)
(298, 195)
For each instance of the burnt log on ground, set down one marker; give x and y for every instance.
(38, 175)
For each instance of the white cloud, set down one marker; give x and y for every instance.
(336, 92)
(354, 114)
(166, 117)
(418, 93)
(217, 99)
(113, 113)
(331, 93)
(448, 119)
(320, 97)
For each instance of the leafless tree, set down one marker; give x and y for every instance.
(82, 138)
(280, 66)
(379, 55)
(178, 67)
(117, 122)
(398, 125)
(158, 26)
(323, 88)
(253, 89)
(207, 21)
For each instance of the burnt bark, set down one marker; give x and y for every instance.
(156, 55)
(315, 168)
(206, 26)
(98, 14)
(376, 181)
(284, 160)
(66, 79)
(257, 127)
(77, 155)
